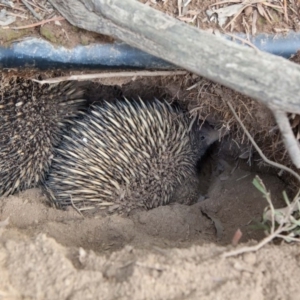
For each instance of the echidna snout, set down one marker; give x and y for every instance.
(191, 190)
(124, 155)
(204, 136)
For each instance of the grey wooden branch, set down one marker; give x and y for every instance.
(291, 144)
(269, 79)
(265, 77)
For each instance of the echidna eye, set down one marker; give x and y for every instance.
(202, 138)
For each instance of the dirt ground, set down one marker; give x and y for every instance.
(40, 268)
(171, 252)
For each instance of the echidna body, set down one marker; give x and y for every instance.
(126, 155)
(31, 119)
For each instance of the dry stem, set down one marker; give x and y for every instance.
(243, 41)
(75, 207)
(255, 248)
(272, 163)
(36, 24)
(110, 75)
(32, 10)
(286, 224)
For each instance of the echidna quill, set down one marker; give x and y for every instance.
(125, 155)
(31, 119)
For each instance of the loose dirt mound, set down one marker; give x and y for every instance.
(40, 268)
(51, 254)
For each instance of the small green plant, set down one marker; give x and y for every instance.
(282, 223)
(285, 222)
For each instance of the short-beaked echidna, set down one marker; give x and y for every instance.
(31, 119)
(125, 155)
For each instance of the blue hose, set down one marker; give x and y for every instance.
(281, 45)
(39, 53)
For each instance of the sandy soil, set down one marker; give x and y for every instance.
(50, 271)
(171, 252)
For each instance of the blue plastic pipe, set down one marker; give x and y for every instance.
(39, 53)
(281, 45)
(42, 54)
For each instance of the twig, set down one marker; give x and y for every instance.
(32, 10)
(149, 267)
(179, 4)
(237, 14)
(288, 211)
(15, 8)
(42, 7)
(272, 5)
(285, 11)
(274, 233)
(16, 15)
(219, 60)
(272, 163)
(280, 212)
(76, 208)
(291, 144)
(225, 2)
(110, 75)
(243, 40)
(254, 19)
(36, 24)
(37, 6)
(255, 248)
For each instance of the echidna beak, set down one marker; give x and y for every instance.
(218, 134)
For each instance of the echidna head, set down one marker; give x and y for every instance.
(204, 136)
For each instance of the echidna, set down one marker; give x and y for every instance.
(31, 119)
(125, 155)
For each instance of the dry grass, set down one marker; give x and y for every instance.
(40, 10)
(231, 10)
(208, 100)
(248, 16)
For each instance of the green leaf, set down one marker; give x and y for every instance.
(286, 198)
(258, 185)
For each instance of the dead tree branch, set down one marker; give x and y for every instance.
(269, 79)
(265, 77)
